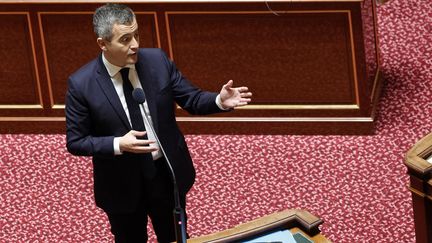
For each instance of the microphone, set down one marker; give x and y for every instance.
(138, 95)
(178, 213)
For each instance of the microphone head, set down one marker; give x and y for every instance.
(138, 95)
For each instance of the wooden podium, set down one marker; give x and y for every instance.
(420, 172)
(299, 222)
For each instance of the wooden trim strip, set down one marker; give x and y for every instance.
(30, 118)
(274, 119)
(171, 1)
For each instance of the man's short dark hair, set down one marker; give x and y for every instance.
(109, 14)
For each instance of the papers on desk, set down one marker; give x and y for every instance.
(283, 236)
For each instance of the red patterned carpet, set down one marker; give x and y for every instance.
(356, 184)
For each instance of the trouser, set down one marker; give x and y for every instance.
(158, 203)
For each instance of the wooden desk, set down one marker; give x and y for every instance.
(297, 221)
(313, 66)
(420, 172)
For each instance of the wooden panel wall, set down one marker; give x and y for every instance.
(313, 67)
(18, 68)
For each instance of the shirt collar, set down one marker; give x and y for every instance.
(113, 69)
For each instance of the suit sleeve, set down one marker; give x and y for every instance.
(79, 139)
(188, 96)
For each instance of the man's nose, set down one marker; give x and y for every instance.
(134, 43)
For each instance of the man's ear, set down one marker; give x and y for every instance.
(101, 43)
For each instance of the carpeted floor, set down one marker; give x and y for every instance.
(356, 184)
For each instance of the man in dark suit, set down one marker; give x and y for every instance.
(131, 179)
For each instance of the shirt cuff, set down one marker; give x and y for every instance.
(116, 144)
(219, 103)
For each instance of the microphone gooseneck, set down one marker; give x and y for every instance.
(179, 215)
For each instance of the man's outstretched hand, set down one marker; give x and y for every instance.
(234, 97)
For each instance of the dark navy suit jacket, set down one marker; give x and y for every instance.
(94, 116)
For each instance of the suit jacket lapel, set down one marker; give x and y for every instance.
(107, 86)
(149, 87)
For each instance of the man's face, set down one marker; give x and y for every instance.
(123, 47)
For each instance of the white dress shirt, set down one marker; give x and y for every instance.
(114, 72)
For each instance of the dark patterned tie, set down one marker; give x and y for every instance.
(149, 169)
